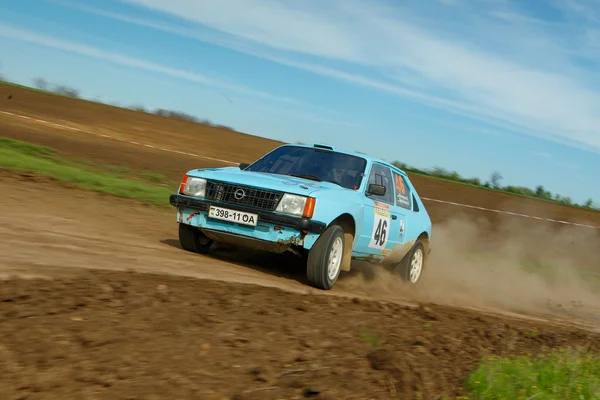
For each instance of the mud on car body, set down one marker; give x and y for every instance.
(322, 204)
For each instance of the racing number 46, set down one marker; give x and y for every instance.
(381, 232)
(380, 227)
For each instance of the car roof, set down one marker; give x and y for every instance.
(369, 159)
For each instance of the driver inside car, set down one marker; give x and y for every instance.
(338, 173)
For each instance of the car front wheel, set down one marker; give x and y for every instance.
(192, 239)
(325, 258)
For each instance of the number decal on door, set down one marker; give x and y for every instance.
(381, 233)
(381, 223)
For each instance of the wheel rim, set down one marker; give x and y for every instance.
(335, 258)
(416, 265)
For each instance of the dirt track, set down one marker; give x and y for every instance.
(71, 332)
(120, 334)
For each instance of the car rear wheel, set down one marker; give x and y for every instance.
(325, 258)
(411, 267)
(192, 239)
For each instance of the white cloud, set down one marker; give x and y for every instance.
(556, 162)
(44, 40)
(405, 90)
(512, 71)
(569, 165)
(542, 154)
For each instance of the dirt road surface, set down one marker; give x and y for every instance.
(78, 323)
(98, 301)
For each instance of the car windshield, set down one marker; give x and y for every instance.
(313, 164)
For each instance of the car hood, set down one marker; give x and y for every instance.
(281, 183)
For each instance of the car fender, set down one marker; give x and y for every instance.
(419, 224)
(344, 205)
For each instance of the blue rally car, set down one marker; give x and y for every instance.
(323, 204)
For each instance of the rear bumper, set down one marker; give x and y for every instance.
(268, 217)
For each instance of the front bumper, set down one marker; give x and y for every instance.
(269, 217)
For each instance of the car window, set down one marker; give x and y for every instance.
(402, 191)
(415, 204)
(314, 164)
(382, 175)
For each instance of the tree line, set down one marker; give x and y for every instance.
(64, 90)
(494, 183)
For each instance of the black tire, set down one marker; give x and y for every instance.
(192, 239)
(317, 268)
(405, 267)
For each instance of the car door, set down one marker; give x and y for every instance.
(381, 224)
(403, 203)
(403, 197)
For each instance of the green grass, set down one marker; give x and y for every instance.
(23, 156)
(369, 337)
(558, 375)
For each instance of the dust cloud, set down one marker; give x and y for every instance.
(512, 263)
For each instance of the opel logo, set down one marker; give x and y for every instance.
(239, 194)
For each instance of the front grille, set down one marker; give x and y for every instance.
(259, 198)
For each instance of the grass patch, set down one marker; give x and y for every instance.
(559, 375)
(124, 172)
(23, 156)
(369, 337)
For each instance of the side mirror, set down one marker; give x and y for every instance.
(376, 190)
(244, 166)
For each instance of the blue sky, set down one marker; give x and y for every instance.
(469, 85)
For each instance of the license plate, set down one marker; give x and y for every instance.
(239, 217)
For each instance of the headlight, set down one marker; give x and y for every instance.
(195, 187)
(292, 204)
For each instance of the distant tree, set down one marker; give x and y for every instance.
(180, 115)
(138, 107)
(589, 203)
(224, 127)
(495, 179)
(454, 176)
(540, 192)
(563, 199)
(66, 91)
(40, 83)
(401, 165)
(439, 171)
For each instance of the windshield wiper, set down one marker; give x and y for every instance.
(307, 176)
